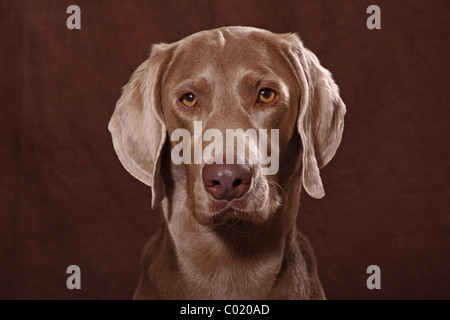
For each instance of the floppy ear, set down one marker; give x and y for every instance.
(320, 121)
(137, 125)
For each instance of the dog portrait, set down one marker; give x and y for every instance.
(229, 231)
(224, 157)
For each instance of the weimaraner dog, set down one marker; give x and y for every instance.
(229, 227)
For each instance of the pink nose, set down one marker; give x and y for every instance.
(227, 181)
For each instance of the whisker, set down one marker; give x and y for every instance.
(281, 188)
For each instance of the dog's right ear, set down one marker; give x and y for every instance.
(137, 125)
(321, 115)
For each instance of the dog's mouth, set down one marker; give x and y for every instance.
(230, 213)
(222, 212)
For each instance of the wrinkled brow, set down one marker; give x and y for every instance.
(199, 82)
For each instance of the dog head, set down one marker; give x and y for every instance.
(211, 90)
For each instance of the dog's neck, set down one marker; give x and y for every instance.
(220, 264)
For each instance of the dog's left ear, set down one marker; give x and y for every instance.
(137, 125)
(320, 121)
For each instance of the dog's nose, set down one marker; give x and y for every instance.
(227, 181)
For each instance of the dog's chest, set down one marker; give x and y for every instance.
(231, 279)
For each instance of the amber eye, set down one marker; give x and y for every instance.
(189, 100)
(266, 95)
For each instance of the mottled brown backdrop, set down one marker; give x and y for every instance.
(66, 199)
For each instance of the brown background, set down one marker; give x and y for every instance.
(66, 199)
